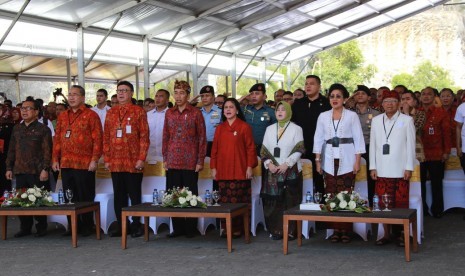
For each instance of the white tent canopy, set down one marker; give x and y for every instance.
(58, 38)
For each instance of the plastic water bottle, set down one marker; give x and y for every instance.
(308, 197)
(375, 203)
(155, 197)
(208, 198)
(6, 195)
(61, 199)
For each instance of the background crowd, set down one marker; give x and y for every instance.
(388, 128)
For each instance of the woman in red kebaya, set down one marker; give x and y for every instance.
(233, 157)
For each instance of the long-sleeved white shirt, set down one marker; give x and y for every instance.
(102, 113)
(401, 142)
(349, 127)
(156, 121)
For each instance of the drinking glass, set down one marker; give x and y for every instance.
(161, 194)
(386, 199)
(317, 197)
(69, 195)
(216, 197)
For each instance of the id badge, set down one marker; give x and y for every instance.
(277, 152)
(262, 118)
(385, 149)
(431, 131)
(68, 133)
(128, 129)
(335, 142)
(119, 133)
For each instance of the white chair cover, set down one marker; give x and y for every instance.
(204, 183)
(307, 175)
(257, 214)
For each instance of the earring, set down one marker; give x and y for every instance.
(237, 112)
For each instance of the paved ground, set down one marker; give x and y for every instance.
(442, 253)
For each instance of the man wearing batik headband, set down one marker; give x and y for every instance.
(365, 114)
(259, 115)
(184, 148)
(392, 155)
(211, 114)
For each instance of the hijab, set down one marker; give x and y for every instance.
(288, 109)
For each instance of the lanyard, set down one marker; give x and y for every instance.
(384, 126)
(121, 118)
(336, 127)
(75, 118)
(277, 128)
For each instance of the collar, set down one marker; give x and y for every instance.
(81, 108)
(36, 121)
(214, 108)
(394, 117)
(155, 110)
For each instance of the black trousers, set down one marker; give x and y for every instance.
(370, 181)
(462, 161)
(126, 186)
(318, 182)
(436, 173)
(29, 181)
(82, 183)
(209, 148)
(183, 178)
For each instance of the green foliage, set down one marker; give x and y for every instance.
(344, 64)
(425, 74)
(341, 64)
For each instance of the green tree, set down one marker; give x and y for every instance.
(425, 74)
(341, 64)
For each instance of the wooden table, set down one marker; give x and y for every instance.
(403, 217)
(72, 210)
(226, 211)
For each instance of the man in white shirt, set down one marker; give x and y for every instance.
(156, 121)
(101, 108)
(392, 155)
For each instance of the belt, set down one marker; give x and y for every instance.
(341, 141)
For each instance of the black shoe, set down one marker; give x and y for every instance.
(173, 235)
(190, 235)
(137, 233)
(67, 233)
(116, 233)
(22, 233)
(40, 233)
(86, 232)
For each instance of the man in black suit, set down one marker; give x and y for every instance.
(305, 113)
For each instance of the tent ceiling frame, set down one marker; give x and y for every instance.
(115, 8)
(15, 19)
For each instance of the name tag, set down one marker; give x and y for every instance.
(128, 129)
(119, 133)
(68, 133)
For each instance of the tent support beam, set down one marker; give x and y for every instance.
(12, 24)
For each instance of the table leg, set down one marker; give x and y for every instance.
(74, 229)
(245, 216)
(285, 233)
(124, 230)
(97, 222)
(407, 239)
(229, 232)
(415, 234)
(146, 228)
(299, 233)
(4, 224)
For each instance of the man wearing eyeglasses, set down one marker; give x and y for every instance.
(76, 150)
(219, 101)
(29, 157)
(125, 146)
